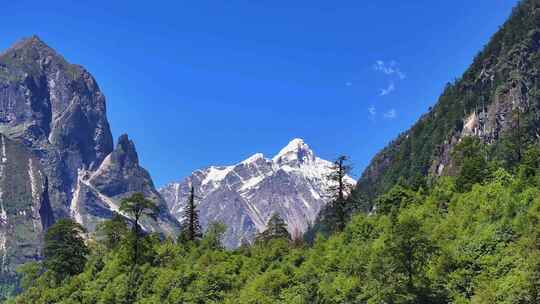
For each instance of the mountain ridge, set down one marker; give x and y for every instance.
(257, 187)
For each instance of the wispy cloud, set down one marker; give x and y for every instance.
(391, 88)
(390, 114)
(372, 112)
(393, 73)
(389, 68)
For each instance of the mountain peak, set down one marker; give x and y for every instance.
(32, 42)
(244, 196)
(296, 149)
(29, 41)
(253, 158)
(296, 141)
(31, 55)
(125, 150)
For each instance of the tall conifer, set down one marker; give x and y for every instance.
(191, 228)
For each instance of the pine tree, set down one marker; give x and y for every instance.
(192, 229)
(276, 228)
(339, 189)
(138, 206)
(65, 250)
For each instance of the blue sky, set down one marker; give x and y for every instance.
(198, 83)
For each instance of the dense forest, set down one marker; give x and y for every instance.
(470, 238)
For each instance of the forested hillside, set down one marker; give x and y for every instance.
(454, 243)
(497, 99)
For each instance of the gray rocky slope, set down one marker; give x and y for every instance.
(56, 110)
(244, 196)
(57, 152)
(25, 210)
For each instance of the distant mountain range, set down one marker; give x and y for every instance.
(58, 160)
(292, 184)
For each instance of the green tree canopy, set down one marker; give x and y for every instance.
(470, 159)
(276, 228)
(65, 250)
(137, 206)
(112, 232)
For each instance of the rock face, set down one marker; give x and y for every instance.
(98, 193)
(25, 210)
(244, 196)
(58, 159)
(55, 109)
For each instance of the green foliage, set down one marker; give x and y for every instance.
(338, 190)
(438, 245)
(29, 274)
(112, 232)
(528, 169)
(343, 202)
(138, 207)
(398, 197)
(470, 159)
(276, 228)
(65, 250)
(191, 230)
(213, 236)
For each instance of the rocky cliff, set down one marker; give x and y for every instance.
(25, 210)
(57, 110)
(58, 158)
(98, 193)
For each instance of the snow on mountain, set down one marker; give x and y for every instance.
(243, 196)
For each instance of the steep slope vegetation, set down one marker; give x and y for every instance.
(497, 99)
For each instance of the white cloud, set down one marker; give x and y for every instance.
(389, 68)
(372, 112)
(390, 114)
(391, 87)
(392, 72)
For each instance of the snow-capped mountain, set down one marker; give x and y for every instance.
(244, 196)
